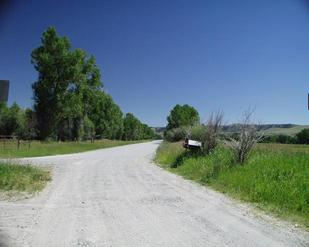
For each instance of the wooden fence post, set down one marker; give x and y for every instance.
(18, 143)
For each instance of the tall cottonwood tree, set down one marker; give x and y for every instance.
(107, 117)
(69, 102)
(135, 130)
(67, 81)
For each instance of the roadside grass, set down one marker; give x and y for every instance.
(275, 178)
(22, 178)
(168, 153)
(37, 148)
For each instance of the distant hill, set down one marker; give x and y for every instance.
(269, 129)
(266, 129)
(287, 131)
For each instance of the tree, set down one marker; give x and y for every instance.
(27, 128)
(106, 116)
(11, 119)
(53, 62)
(303, 137)
(180, 116)
(208, 134)
(67, 81)
(132, 127)
(69, 100)
(147, 132)
(248, 137)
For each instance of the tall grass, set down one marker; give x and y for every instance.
(275, 177)
(22, 178)
(36, 148)
(169, 152)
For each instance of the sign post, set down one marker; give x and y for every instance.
(4, 90)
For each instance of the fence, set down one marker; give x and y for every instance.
(12, 142)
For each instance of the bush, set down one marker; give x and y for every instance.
(248, 137)
(175, 135)
(303, 137)
(208, 134)
(285, 139)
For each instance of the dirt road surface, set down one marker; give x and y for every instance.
(118, 197)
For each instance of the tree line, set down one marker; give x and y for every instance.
(69, 100)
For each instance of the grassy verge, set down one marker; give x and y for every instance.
(22, 178)
(36, 148)
(275, 178)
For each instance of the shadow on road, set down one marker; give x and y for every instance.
(3, 240)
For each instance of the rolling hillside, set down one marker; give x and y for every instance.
(286, 131)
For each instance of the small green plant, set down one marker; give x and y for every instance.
(22, 178)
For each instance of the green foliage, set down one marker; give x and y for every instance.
(107, 117)
(206, 136)
(53, 61)
(88, 128)
(182, 115)
(303, 137)
(275, 176)
(281, 138)
(135, 130)
(132, 127)
(29, 125)
(168, 153)
(22, 178)
(147, 132)
(69, 101)
(176, 134)
(68, 79)
(12, 120)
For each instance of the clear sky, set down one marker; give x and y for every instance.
(211, 54)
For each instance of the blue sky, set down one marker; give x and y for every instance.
(218, 54)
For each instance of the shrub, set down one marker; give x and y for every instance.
(208, 134)
(285, 139)
(303, 137)
(247, 138)
(175, 135)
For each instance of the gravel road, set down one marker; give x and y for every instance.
(118, 197)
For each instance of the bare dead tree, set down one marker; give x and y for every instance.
(208, 133)
(248, 137)
(213, 126)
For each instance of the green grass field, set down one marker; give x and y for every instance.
(275, 178)
(36, 148)
(22, 178)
